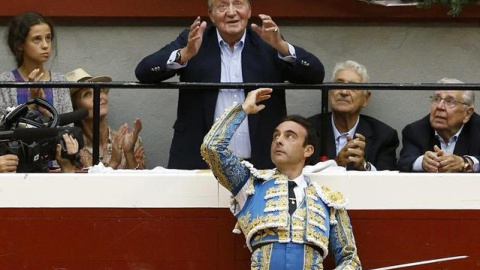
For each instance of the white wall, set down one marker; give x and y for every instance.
(393, 53)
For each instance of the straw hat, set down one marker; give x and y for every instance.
(80, 75)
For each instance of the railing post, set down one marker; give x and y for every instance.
(96, 125)
(323, 132)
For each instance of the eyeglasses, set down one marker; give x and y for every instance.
(222, 7)
(449, 101)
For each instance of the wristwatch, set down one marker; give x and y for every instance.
(367, 166)
(467, 167)
(178, 57)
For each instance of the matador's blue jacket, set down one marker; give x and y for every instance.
(320, 221)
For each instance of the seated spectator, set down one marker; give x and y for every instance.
(122, 149)
(446, 140)
(30, 39)
(354, 140)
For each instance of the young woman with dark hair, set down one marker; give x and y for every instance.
(31, 40)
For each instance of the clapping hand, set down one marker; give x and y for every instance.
(132, 136)
(195, 37)
(124, 145)
(441, 161)
(36, 76)
(270, 33)
(353, 152)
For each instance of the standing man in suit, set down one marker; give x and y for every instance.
(228, 51)
(354, 140)
(446, 140)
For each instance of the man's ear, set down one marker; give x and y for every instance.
(210, 11)
(309, 149)
(468, 114)
(367, 98)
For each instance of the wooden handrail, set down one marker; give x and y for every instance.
(89, 11)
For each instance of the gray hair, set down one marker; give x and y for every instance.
(210, 3)
(467, 95)
(360, 69)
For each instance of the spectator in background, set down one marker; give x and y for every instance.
(122, 149)
(228, 51)
(31, 38)
(354, 140)
(446, 140)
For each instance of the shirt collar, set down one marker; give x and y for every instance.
(300, 181)
(351, 132)
(454, 138)
(221, 42)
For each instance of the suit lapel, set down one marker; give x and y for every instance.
(249, 56)
(331, 146)
(434, 141)
(365, 129)
(462, 144)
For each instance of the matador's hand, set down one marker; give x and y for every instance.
(250, 105)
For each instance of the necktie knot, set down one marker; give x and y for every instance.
(292, 184)
(292, 201)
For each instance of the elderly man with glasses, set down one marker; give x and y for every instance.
(446, 140)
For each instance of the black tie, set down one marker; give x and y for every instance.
(292, 201)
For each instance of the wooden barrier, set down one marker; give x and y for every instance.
(87, 11)
(181, 220)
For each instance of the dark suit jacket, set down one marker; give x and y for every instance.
(381, 140)
(419, 137)
(196, 107)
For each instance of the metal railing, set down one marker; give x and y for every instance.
(97, 86)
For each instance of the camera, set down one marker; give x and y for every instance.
(34, 137)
